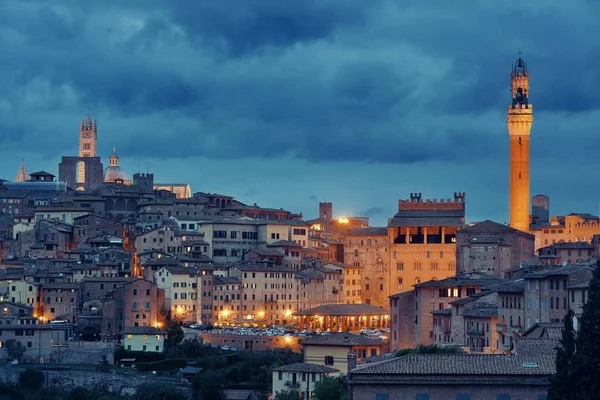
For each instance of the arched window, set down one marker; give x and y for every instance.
(400, 284)
(367, 283)
(381, 284)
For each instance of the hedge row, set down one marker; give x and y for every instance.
(164, 365)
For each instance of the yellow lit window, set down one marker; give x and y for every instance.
(129, 337)
(143, 337)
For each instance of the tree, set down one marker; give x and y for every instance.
(587, 357)
(31, 379)
(81, 393)
(209, 385)
(287, 395)
(11, 392)
(152, 391)
(14, 349)
(428, 349)
(561, 386)
(330, 388)
(174, 334)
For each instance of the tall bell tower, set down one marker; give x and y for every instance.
(88, 137)
(519, 120)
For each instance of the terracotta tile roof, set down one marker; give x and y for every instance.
(284, 243)
(481, 312)
(462, 364)
(469, 279)
(428, 218)
(344, 310)
(143, 330)
(305, 367)
(490, 227)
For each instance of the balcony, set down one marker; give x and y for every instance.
(500, 328)
(516, 329)
(475, 332)
(292, 385)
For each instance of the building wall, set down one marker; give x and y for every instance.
(511, 318)
(403, 321)
(181, 294)
(316, 355)
(227, 302)
(522, 249)
(252, 342)
(23, 292)
(144, 342)
(445, 392)
(370, 253)
(490, 258)
(301, 382)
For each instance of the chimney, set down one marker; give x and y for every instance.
(351, 361)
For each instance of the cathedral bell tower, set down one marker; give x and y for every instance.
(519, 120)
(88, 137)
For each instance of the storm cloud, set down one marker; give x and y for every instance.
(412, 90)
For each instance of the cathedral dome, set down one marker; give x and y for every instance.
(114, 173)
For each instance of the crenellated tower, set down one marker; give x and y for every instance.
(519, 120)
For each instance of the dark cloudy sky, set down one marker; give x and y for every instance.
(285, 103)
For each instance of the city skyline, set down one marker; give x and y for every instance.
(360, 107)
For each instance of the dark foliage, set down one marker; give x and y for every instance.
(164, 365)
(175, 334)
(330, 388)
(158, 392)
(14, 349)
(140, 356)
(565, 363)
(31, 379)
(428, 349)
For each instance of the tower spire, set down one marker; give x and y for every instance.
(22, 175)
(519, 120)
(88, 136)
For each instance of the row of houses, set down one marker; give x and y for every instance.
(486, 314)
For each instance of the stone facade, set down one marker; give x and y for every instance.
(492, 248)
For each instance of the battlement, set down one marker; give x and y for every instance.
(416, 202)
(139, 175)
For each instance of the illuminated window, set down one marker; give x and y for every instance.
(129, 337)
(144, 337)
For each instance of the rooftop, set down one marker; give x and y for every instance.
(340, 339)
(468, 279)
(343, 310)
(462, 364)
(428, 218)
(305, 367)
(490, 227)
(143, 330)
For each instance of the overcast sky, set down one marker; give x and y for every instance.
(288, 103)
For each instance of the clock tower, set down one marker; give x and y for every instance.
(519, 120)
